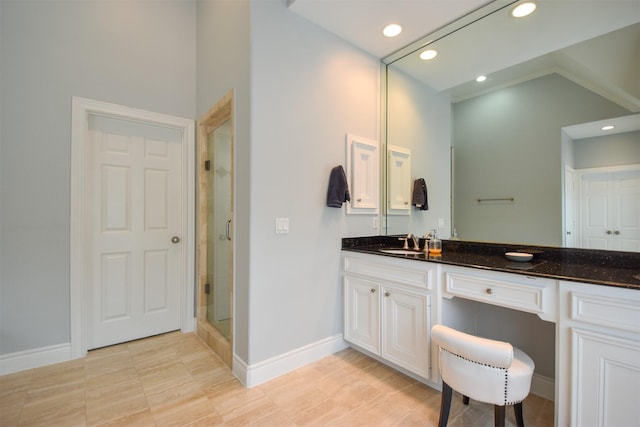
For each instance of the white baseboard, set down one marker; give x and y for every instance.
(35, 358)
(253, 375)
(543, 387)
(43, 356)
(250, 376)
(239, 369)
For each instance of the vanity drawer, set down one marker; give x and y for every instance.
(396, 271)
(521, 293)
(603, 309)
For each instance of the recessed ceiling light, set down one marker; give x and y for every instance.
(480, 79)
(392, 30)
(609, 127)
(523, 9)
(428, 54)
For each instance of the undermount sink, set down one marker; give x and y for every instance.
(401, 251)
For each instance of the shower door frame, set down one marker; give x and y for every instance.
(221, 112)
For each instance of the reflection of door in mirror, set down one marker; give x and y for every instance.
(568, 208)
(215, 228)
(610, 208)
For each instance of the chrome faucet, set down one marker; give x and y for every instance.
(416, 242)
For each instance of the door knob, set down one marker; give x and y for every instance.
(175, 239)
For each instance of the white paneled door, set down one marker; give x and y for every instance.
(134, 224)
(569, 200)
(611, 210)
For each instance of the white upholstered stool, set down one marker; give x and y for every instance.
(482, 369)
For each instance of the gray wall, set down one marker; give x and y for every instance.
(611, 150)
(224, 63)
(140, 54)
(419, 118)
(308, 89)
(507, 144)
(299, 90)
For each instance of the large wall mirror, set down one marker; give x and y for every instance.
(516, 159)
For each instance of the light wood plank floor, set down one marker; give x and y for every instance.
(175, 380)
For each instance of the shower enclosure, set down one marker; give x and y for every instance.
(219, 256)
(215, 228)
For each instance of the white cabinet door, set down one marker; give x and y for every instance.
(399, 180)
(598, 371)
(362, 313)
(363, 175)
(606, 379)
(387, 310)
(405, 330)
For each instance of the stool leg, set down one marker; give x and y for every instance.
(499, 416)
(517, 409)
(445, 405)
(465, 400)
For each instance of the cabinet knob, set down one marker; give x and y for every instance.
(359, 200)
(386, 294)
(616, 232)
(373, 290)
(489, 291)
(608, 231)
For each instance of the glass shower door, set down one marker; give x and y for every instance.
(219, 220)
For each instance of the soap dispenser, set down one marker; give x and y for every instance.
(435, 245)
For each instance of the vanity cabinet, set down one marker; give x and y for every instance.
(387, 310)
(599, 348)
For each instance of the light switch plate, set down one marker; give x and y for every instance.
(282, 225)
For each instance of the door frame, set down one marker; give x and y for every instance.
(222, 110)
(82, 108)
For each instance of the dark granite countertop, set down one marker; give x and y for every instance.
(610, 268)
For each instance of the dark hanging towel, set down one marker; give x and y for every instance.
(338, 192)
(420, 200)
